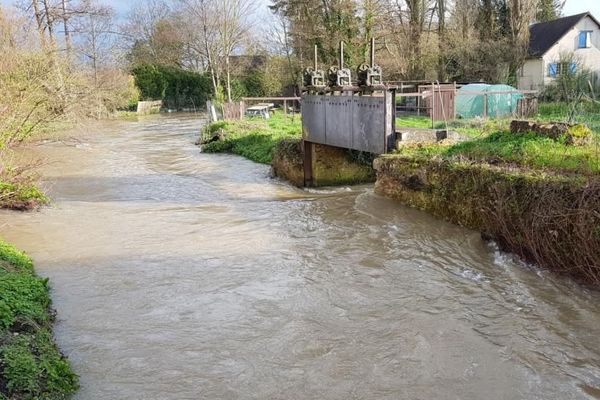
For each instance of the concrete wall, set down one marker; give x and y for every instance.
(535, 72)
(331, 166)
(149, 107)
(532, 75)
(363, 123)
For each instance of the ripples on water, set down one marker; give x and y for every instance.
(181, 275)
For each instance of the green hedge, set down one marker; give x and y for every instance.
(178, 88)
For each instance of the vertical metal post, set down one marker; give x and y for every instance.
(284, 107)
(454, 102)
(432, 105)
(308, 163)
(341, 54)
(316, 55)
(485, 106)
(419, 99)
(393, 118)
(372, 58)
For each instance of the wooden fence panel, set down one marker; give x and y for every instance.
(233, 110)
(527, 107)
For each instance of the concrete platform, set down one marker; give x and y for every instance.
(409, 136)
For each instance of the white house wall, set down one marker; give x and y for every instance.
(532, 75)
(569, 43)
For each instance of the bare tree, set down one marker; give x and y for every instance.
(95, 34)
(522, 13)
(234, 24)
(203, 34)
(280, 42)
(143, 20)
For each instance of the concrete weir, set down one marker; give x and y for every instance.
(327, 165)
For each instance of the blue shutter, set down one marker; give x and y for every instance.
(553, 70)
(573, 68)
(583, 40)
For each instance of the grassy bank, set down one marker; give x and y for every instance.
(255, 139)
(586, 113)
(536, 196)
(529, 151)
(19, 188)
(277, 142)
(31, 366)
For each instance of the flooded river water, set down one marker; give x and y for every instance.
(182, 275)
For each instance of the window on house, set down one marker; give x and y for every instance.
(561, 68)
(585, 39)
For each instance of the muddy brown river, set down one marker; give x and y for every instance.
(182, 275)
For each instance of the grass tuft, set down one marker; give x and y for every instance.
(255, 139)
(31, 366)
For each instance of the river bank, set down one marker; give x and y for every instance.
(547, 219)
(535, 195)
(31, 366)
(277, 142)
(196, 275)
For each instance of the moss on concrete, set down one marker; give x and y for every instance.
(331, 165)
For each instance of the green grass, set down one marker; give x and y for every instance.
(587, 113)
(31, 366)
(21, 195)
(254, 139)
(491, 141)
(525, 150)
(472, 128)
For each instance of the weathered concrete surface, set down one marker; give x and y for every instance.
(149, 107)
(406, 136)
(363, 123)
(331, 165)
(288, 162)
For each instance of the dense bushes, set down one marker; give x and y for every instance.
(31, 366)
(176, 87)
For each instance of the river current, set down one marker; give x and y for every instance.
(183, 275)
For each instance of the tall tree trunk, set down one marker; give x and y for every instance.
(39, 19)
(213, 75)
(49, 21)
(228, 70)
(441, 8)
(416, 19)
(65, 19)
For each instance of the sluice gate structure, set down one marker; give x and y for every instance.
(338, 112)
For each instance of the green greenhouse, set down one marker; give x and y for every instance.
(482, 100)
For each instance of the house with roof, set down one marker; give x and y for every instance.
(577, 34)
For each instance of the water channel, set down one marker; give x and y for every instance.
(183, 275)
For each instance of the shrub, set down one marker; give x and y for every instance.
(31, 367)
(178, 88)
